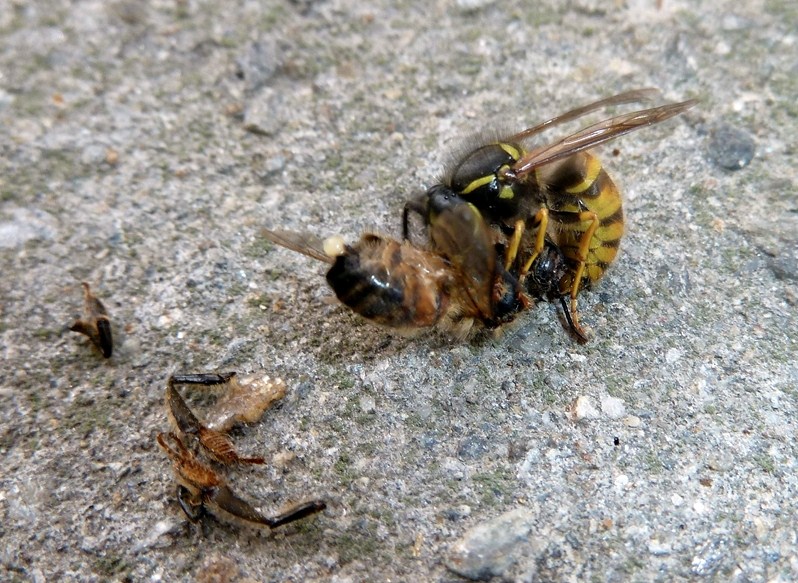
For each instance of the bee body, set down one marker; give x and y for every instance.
(391, 283)
(453, 283)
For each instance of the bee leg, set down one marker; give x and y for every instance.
(201, 379)
(299, 511)
(541, 222)
(220, 447)
(180, 415)
(190, 503)
(178, 412)
(95, 323)
(217, 444)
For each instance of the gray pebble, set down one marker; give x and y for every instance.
(259, 63)
(785, 264)
(26, 224)
(492, 548)
(731, 148)
(472, 447)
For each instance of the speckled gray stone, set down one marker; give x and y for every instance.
(489, 549)
(143, 147)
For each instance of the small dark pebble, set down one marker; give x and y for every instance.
(785, 265)
(516, 450)
(258, 63)
(453, 514)
(304, 389)
(731, 148)
(472, 447)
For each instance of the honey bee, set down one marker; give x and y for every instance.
(454, 283)
(551, 200)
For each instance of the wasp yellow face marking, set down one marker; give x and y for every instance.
(592, 169)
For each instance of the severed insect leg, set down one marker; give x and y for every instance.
(297, 512)
(194, 476)
(190, 503)
(200, 489)
(216, 443)
(95, 322)
(208, 379)
(220, 448)
(226, 505)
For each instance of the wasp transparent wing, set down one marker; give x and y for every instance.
(596, 134)
(634, 96)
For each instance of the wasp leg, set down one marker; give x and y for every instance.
(566, 220)
(513, 244)
(573, 325)
(541, 222)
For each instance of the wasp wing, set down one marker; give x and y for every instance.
(634, 96)
(596, 134)
(303, 243)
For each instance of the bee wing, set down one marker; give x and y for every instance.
(634, 96)
(596, 134)
(303, 243)
(460, 234)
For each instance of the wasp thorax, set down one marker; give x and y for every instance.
(476, 174)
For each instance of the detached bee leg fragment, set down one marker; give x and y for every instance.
(95, 322)
(217, 444)
(201, 489)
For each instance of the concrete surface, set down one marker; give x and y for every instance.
(144, 146)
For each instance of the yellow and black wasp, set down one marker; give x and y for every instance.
(559, 210)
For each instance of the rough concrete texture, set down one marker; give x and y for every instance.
(144, 146)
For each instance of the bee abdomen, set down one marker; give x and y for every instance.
(378, 281)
